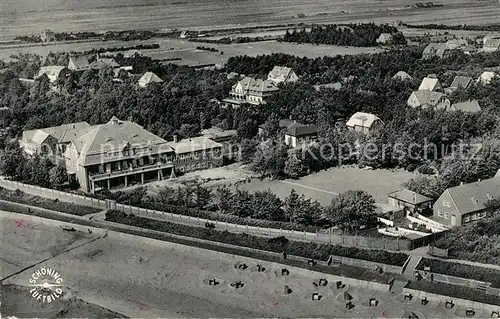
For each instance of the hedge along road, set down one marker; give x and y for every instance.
(324, 238)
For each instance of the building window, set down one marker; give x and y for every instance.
(466, 219)
(446, 216)
(446, 203)
(440, 214)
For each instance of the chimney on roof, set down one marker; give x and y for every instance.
(175, 138)
(461, 183)
(479, 180)
(290, 117)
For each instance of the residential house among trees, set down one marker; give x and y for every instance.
(486, 77)
(192, 154)
(116, 154)
(78, 63)
(281, 74)
(148, 78)
(491, 44)
(467, 106)
(465, 203)
(460, 83)
(250, 91)
(409, 200)
(364, 123)
(402, 76)
(104, 63)
(52, 140)
(298, 134)
(430, 83)
(384, 38)
(53, 72)
(439, 50)
(429, 99)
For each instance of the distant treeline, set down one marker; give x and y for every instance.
(228, 40)
(488, 27)
(127, 35)
(361, 35)
(118, 49)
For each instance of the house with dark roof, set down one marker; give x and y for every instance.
(250, 91)
(460, 83)
(52, 140)
(104, 63)
(440, 50)
(429, 99)
(219, 135)
(364, 123)
(196, 153)
(467, 106)
(281, 74)
(465, 203)
(298, 134)
(409, 200)
(118, 154)
(78, 63)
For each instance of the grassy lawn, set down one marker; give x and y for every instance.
(325, 185)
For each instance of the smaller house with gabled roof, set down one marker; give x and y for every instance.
(409, 200)
(467, 106)
(402, 76)
(429, 99)
(460, 83)
(78, 63)
(148, 78)
(465, 203)
(486, 77)
(53, 72)
(281, 74)
(440, 50)
(104, 63)
(384, 38)
(430, 83)
(298, 134)
(491, 44)
(364, 123)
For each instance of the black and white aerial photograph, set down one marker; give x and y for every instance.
(250, 159)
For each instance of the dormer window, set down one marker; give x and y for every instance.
(474, 200)
(489, 196)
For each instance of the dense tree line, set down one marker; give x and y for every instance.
(361, 35)
(487, 27)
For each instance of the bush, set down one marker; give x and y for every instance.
(462, 270)
(278, 245)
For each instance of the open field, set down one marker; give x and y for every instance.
(21, 17)
(139, 277)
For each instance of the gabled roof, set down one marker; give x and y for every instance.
(492, 43)
(384, 37)
(456, 43)
(101, 141)
(486, 77)
(149, 77)
(468, 106)
(472, 197)
(63, 134)
(78, 63)
(429, 84)
(194, 144)
(409, 196)
(402, 75)
(436, 49)
(279, 73)
(336, 86)
(52, 72)
(253, 85)
(429, 97)
(362, 119)
(103, 63)
(298, 129)
(462, 82)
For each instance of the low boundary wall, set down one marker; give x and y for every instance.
(367, 264)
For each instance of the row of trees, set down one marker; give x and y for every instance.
(362, 35)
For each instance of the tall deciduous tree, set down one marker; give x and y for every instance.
(351, 210)
(58, 176)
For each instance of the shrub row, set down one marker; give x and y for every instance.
(302, 249)
(22, 198)
(462, 270)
